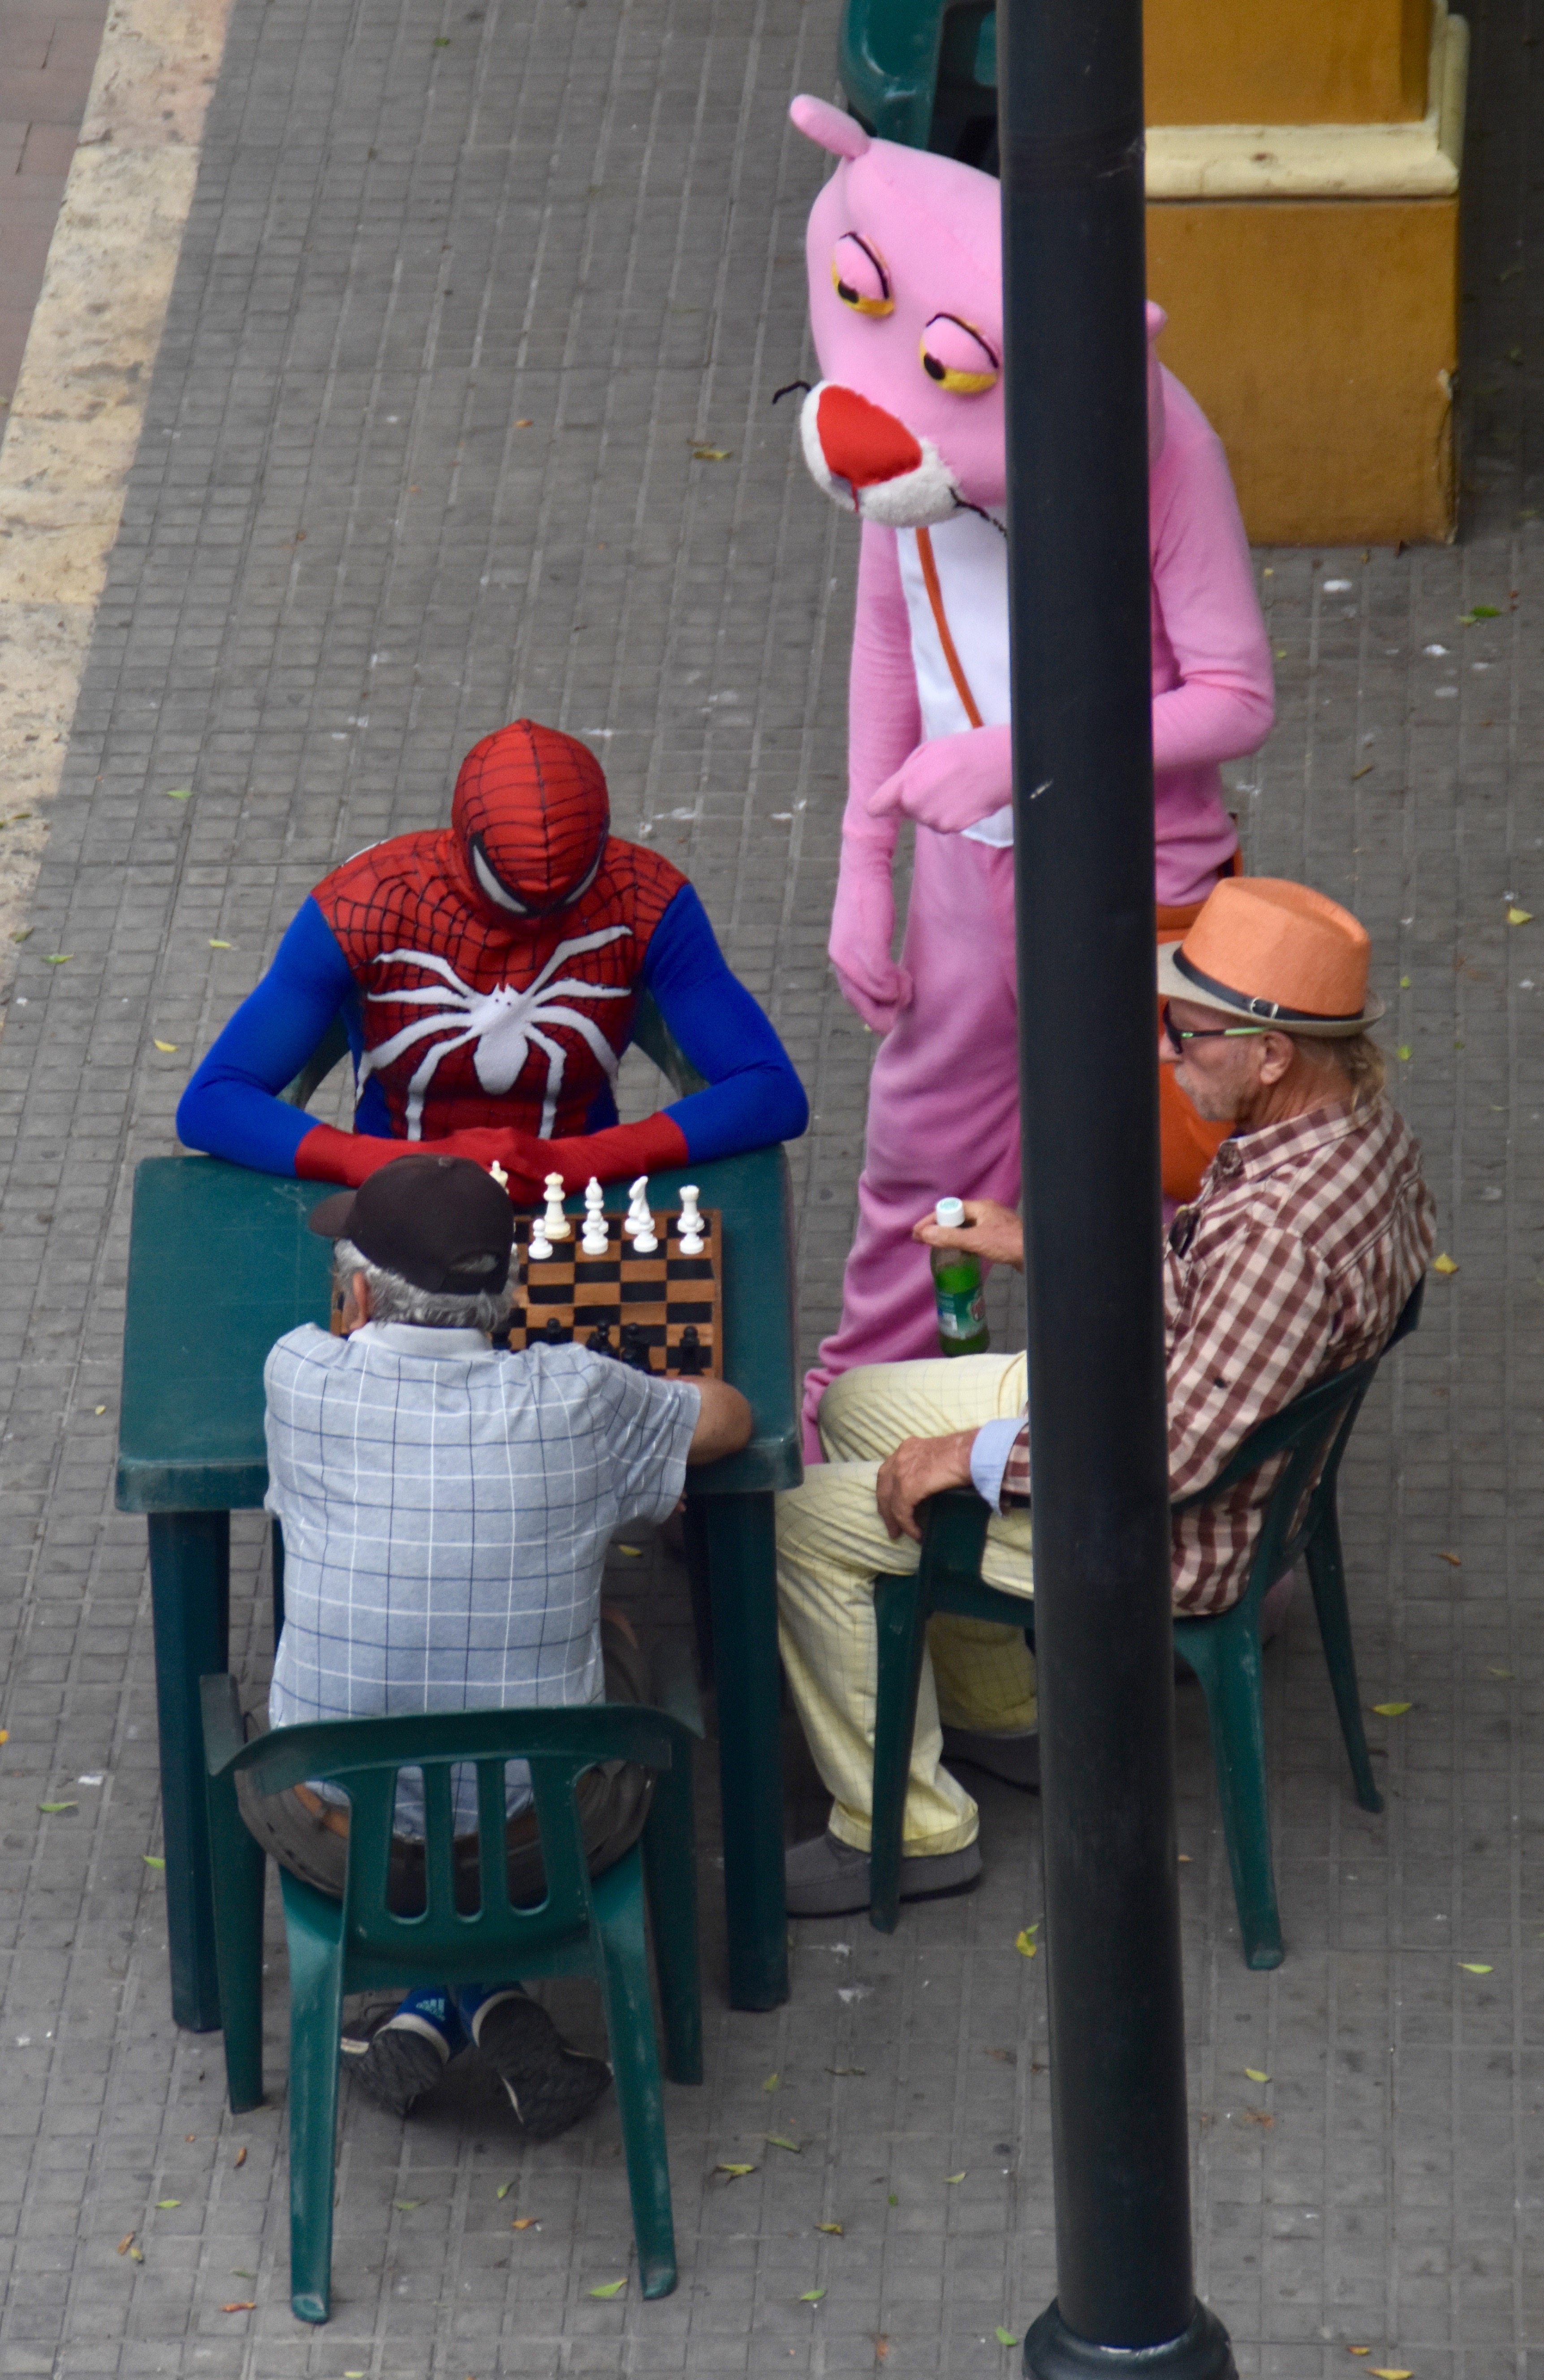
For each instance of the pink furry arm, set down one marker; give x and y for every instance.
(1205, 606)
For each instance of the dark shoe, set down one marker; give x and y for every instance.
(828, 1879)
(550, 2085)
(398, 2062)
(1015, 1759)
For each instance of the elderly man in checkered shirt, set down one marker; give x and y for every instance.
(446, 1508)
(1312, 1228)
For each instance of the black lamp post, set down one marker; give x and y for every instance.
(1070, 129)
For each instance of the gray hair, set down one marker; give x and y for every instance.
(391, 1299)
(1357, 1060)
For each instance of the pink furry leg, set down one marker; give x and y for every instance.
(943, 1105)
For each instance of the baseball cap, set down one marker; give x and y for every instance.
(441, 1223)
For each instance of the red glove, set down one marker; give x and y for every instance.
(616, 1154)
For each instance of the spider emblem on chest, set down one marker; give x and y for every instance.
(502, 1025)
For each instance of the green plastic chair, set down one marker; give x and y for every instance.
(586, 1925)
(1301, 1519)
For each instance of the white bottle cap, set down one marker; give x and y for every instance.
(950, 1212)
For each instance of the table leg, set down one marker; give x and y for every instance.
(742, 1560)
(189, 1580)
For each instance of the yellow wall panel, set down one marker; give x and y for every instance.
(1287, 61)
(1318, 337)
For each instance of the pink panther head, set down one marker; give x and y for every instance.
(905, 253)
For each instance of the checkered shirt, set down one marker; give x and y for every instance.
(1292, 1263)
(446, 1508)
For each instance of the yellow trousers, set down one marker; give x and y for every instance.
(831, 1546)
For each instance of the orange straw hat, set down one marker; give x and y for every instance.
(1266, 948)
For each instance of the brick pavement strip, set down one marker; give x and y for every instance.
(342, 558)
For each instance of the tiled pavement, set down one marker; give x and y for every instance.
(345, 554)
(47, 53)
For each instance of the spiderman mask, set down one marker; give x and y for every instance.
(530, 818)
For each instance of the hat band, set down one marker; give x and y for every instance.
(1252, 1007)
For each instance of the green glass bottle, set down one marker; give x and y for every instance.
(962, 1313)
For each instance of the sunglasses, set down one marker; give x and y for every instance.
(1177, 1036)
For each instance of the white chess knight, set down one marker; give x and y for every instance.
(597, 1234)
(638, 1223)
(690, 1225)
(555, 1222)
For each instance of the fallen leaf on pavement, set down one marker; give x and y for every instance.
(1358, 2351)
(1257, 2115)
(882, 2349)
(240, 2305)
(524, 2223)
(240, 2156)
(1472, 1967)
(169, 1046)
(610, 2288)
(1184, 1859)
(51, 1809)
(1006, 2338)
(182, 793)
(168, 2202)
(956, 2177)
(125, 2243)
(733, 2171)
(1393, 1710)
(136, 2255)
(1381, 2372)
(835, 2227)
(503, 2190)
(1403, 1053)
(1365, 771)
(219, 946)
(810, 2296)
(780, 2140)
(771, 2083)
(1443, 1263)
(711, 454)
(1254, 2074)
(151, 1859)
(1519, 917)
(1024, 1944)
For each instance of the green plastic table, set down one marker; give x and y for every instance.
(220, 1265)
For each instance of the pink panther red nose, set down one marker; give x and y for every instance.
(861, 442)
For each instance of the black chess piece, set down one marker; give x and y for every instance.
(634, 1349)
(690, 1354)
(598, 1341)
(554, 1334)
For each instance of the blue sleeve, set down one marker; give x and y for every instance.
(988, 1458)
(230, 1107)
(754, 1096)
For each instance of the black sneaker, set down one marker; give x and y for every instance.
(550, 2085)
(399, 2061)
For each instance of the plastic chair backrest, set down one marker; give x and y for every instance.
(1313, 1430)
(365, 1756)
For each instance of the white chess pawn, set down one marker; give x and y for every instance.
(596, 1232)
(690, 1224)
(539, 1246)
(555, 1222)
(499, 1175)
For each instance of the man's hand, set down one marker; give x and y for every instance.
(920, 1467)
(993, 1233)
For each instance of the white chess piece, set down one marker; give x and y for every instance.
(596, 1232)
(690, 1225)
(539, 1246)
(499, 1175)
(636, 1217)
(640, 1222)
(555, 1222)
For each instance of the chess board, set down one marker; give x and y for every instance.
(569, 1295)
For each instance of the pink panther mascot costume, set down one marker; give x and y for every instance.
(905, 428)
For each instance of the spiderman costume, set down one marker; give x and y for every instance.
(487, 975)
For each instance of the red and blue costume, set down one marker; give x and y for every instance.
(487, 975)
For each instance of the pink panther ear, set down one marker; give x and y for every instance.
(1156, 320)
(828, 127)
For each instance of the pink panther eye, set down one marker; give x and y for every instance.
(858, 276)
(958, 357)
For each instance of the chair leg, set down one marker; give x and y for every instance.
(314, 1926)
(618, 1905)
(1228, 1666)
(236, 1868)
(1327, 1577)
(669, 1849)
(901, 1628)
